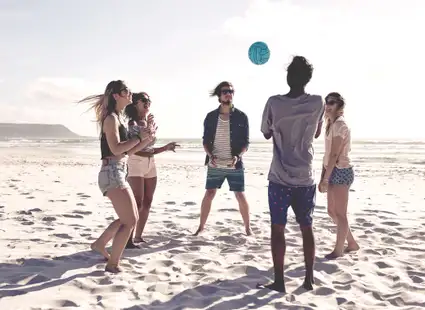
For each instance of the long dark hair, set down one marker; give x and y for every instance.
(217, 90)
(132, 113)
(131, 110)
(105, 104)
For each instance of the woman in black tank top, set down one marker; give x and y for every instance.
(115, 146)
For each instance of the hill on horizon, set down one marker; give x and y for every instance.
(28, 130)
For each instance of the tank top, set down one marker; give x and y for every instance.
(104, 146)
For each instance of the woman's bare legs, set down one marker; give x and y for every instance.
(149, 190)
(337, 210)
(138, 187)
(100, 244)
(125, 206)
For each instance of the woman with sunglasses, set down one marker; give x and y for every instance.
(337, 174)
(142, 173)
(115, 145)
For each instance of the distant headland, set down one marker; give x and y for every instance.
(38, 131)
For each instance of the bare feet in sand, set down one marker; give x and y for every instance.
(112, 268)
(139, 240)
(333, 255)
(95, 246)
(278, 287)
(198, 231)
(248, 231)
(352, 248)
(308, 282)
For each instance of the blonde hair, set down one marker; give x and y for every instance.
(105, 104)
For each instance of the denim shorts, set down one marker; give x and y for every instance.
(344, 176)
(235, 178)
(113, 174)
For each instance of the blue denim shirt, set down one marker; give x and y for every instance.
(239, 132)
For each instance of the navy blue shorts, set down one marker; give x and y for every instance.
(344, 176)
(235, 178)
(301, 199)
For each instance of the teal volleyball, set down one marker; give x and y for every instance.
(259, 53)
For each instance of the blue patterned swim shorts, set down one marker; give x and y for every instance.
(301, 199)
(344, 176)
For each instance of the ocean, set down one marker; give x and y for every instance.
(383, 157)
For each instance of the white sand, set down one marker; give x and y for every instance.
(51, 210)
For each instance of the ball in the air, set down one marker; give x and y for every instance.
(259, 53)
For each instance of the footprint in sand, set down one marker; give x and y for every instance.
(228, 210)
(382, 265)
(391, 223)
(74, 216)
(35, 210)
(66, 304)
(80, 204)
(170, 202)
(48, 219)
(82, 212)
(189, 203)
(63, 236)
(82, 195)
(24, 212)
(27, 222)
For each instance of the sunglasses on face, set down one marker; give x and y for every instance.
(331, 102)
(227, 91)
(125, 89)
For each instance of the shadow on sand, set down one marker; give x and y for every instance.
(36, 274)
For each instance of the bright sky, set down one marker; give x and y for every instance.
(56, 52)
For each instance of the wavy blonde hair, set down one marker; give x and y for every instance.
(340, 101)
(105, 104)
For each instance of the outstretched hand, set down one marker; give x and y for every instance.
(172, 146)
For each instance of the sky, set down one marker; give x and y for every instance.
(57, 52)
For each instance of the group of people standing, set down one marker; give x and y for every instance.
(128, 173)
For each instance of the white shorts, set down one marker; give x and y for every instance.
(142, 167)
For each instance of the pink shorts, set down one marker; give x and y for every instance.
(142, 167)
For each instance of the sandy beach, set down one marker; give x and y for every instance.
(51, 210)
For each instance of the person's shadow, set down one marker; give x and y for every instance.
(236, 293)
(36, 274)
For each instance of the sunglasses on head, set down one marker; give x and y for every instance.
(227, 91)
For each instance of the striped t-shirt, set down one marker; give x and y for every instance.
(221, 147)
